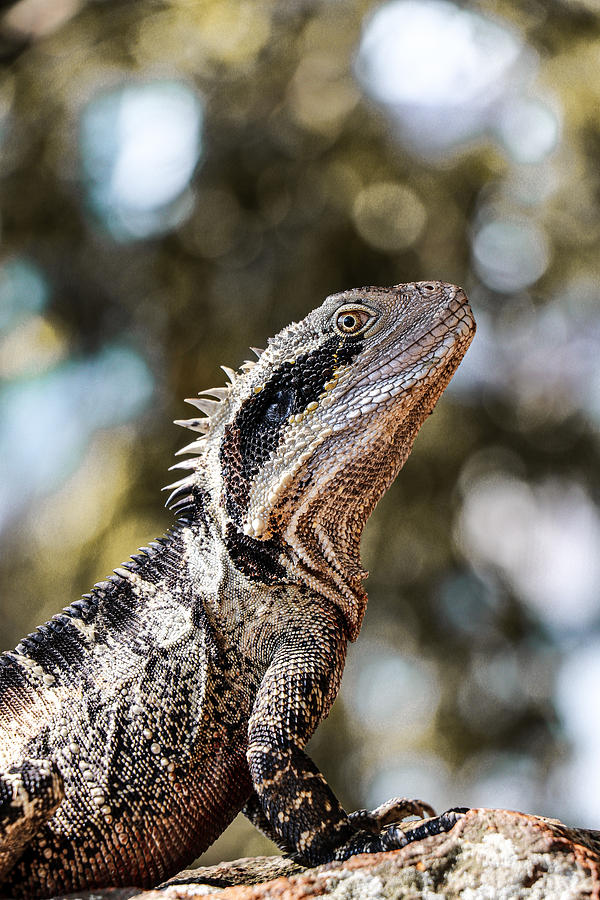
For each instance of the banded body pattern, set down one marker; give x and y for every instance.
(137, 722)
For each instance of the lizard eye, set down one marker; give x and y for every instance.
(353, 320)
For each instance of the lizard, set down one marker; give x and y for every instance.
(136, 723)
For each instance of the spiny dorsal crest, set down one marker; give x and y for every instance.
(209, 402)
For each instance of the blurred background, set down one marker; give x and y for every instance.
(181, 178)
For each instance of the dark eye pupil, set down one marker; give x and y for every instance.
(349, 321)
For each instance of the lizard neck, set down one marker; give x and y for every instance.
(318, 522)
(324, 531)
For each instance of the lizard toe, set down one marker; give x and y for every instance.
(395, 836)
(395, 810)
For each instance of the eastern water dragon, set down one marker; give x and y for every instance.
(137, 722)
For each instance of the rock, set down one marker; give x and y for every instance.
(490, 854)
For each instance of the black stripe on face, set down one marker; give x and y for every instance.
(256, 431)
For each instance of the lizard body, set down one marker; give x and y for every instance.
(138, 722)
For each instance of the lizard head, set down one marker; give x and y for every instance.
(300, 447)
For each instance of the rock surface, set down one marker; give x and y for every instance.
(490, 854)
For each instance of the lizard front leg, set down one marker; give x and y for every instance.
(293, 803)
(295, 799)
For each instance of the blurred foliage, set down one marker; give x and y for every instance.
(180, 179)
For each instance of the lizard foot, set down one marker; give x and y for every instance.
(393, 837)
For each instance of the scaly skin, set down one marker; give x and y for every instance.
(136, 723)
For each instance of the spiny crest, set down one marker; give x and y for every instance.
(208, 402)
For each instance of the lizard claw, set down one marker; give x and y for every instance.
(395, 810)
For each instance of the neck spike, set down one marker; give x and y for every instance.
(231, 373)
(204, 404)
(201, 425)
